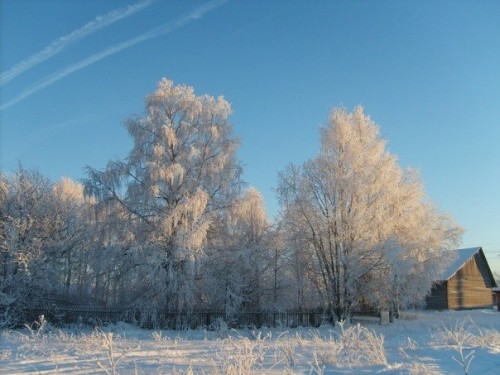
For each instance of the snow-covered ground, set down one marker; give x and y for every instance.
(420, 343)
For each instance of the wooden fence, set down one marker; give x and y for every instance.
(209, 319)
(93, 315)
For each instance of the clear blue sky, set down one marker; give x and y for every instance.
(428, 72)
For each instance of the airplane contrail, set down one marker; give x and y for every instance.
(59, 44)
(153, 33)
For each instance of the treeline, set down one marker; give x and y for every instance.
(172, 227)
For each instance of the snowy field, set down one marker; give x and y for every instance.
(420, 343)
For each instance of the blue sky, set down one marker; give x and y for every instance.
(426, 71)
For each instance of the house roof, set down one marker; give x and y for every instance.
(462, 256)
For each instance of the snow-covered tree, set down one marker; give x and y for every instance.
(249, 226)
(181, 170)
(4, 250)
(26, 230)
(297, 279)
(44, 233)
(350, 204)
(414, 256)
(279, 281)
(238, 256)
(71, 240)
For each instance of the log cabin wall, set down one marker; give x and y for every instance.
(470, 286)
(438, 299)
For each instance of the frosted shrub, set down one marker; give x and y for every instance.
(158, 336)
(113, 357)
(237, 359)
(360, 346)
(486, 338)
(89, 343)
(489, 338)
(459, 337)
(316, 367)
(259, 347)
(409, 345)
(38, 327)
(221, 327)
(286, 349)
(467, 334)
(355, 346)
(414, 365)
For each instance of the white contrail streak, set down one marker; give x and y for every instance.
(59, 44)
(161, 30)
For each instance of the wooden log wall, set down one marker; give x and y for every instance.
(470, 286)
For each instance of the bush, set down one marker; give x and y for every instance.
(354, 347)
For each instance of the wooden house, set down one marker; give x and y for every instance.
(496, 298)
(466, 284)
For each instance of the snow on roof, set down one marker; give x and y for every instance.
(462, 256)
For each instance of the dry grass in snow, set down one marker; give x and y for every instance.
(431, 343)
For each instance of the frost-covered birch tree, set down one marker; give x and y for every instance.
(350, 204)
(71, 240)
(44, 243)
(250, 227)
(238, 257)
(181, 170)
(27, 228)
(414, 256)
